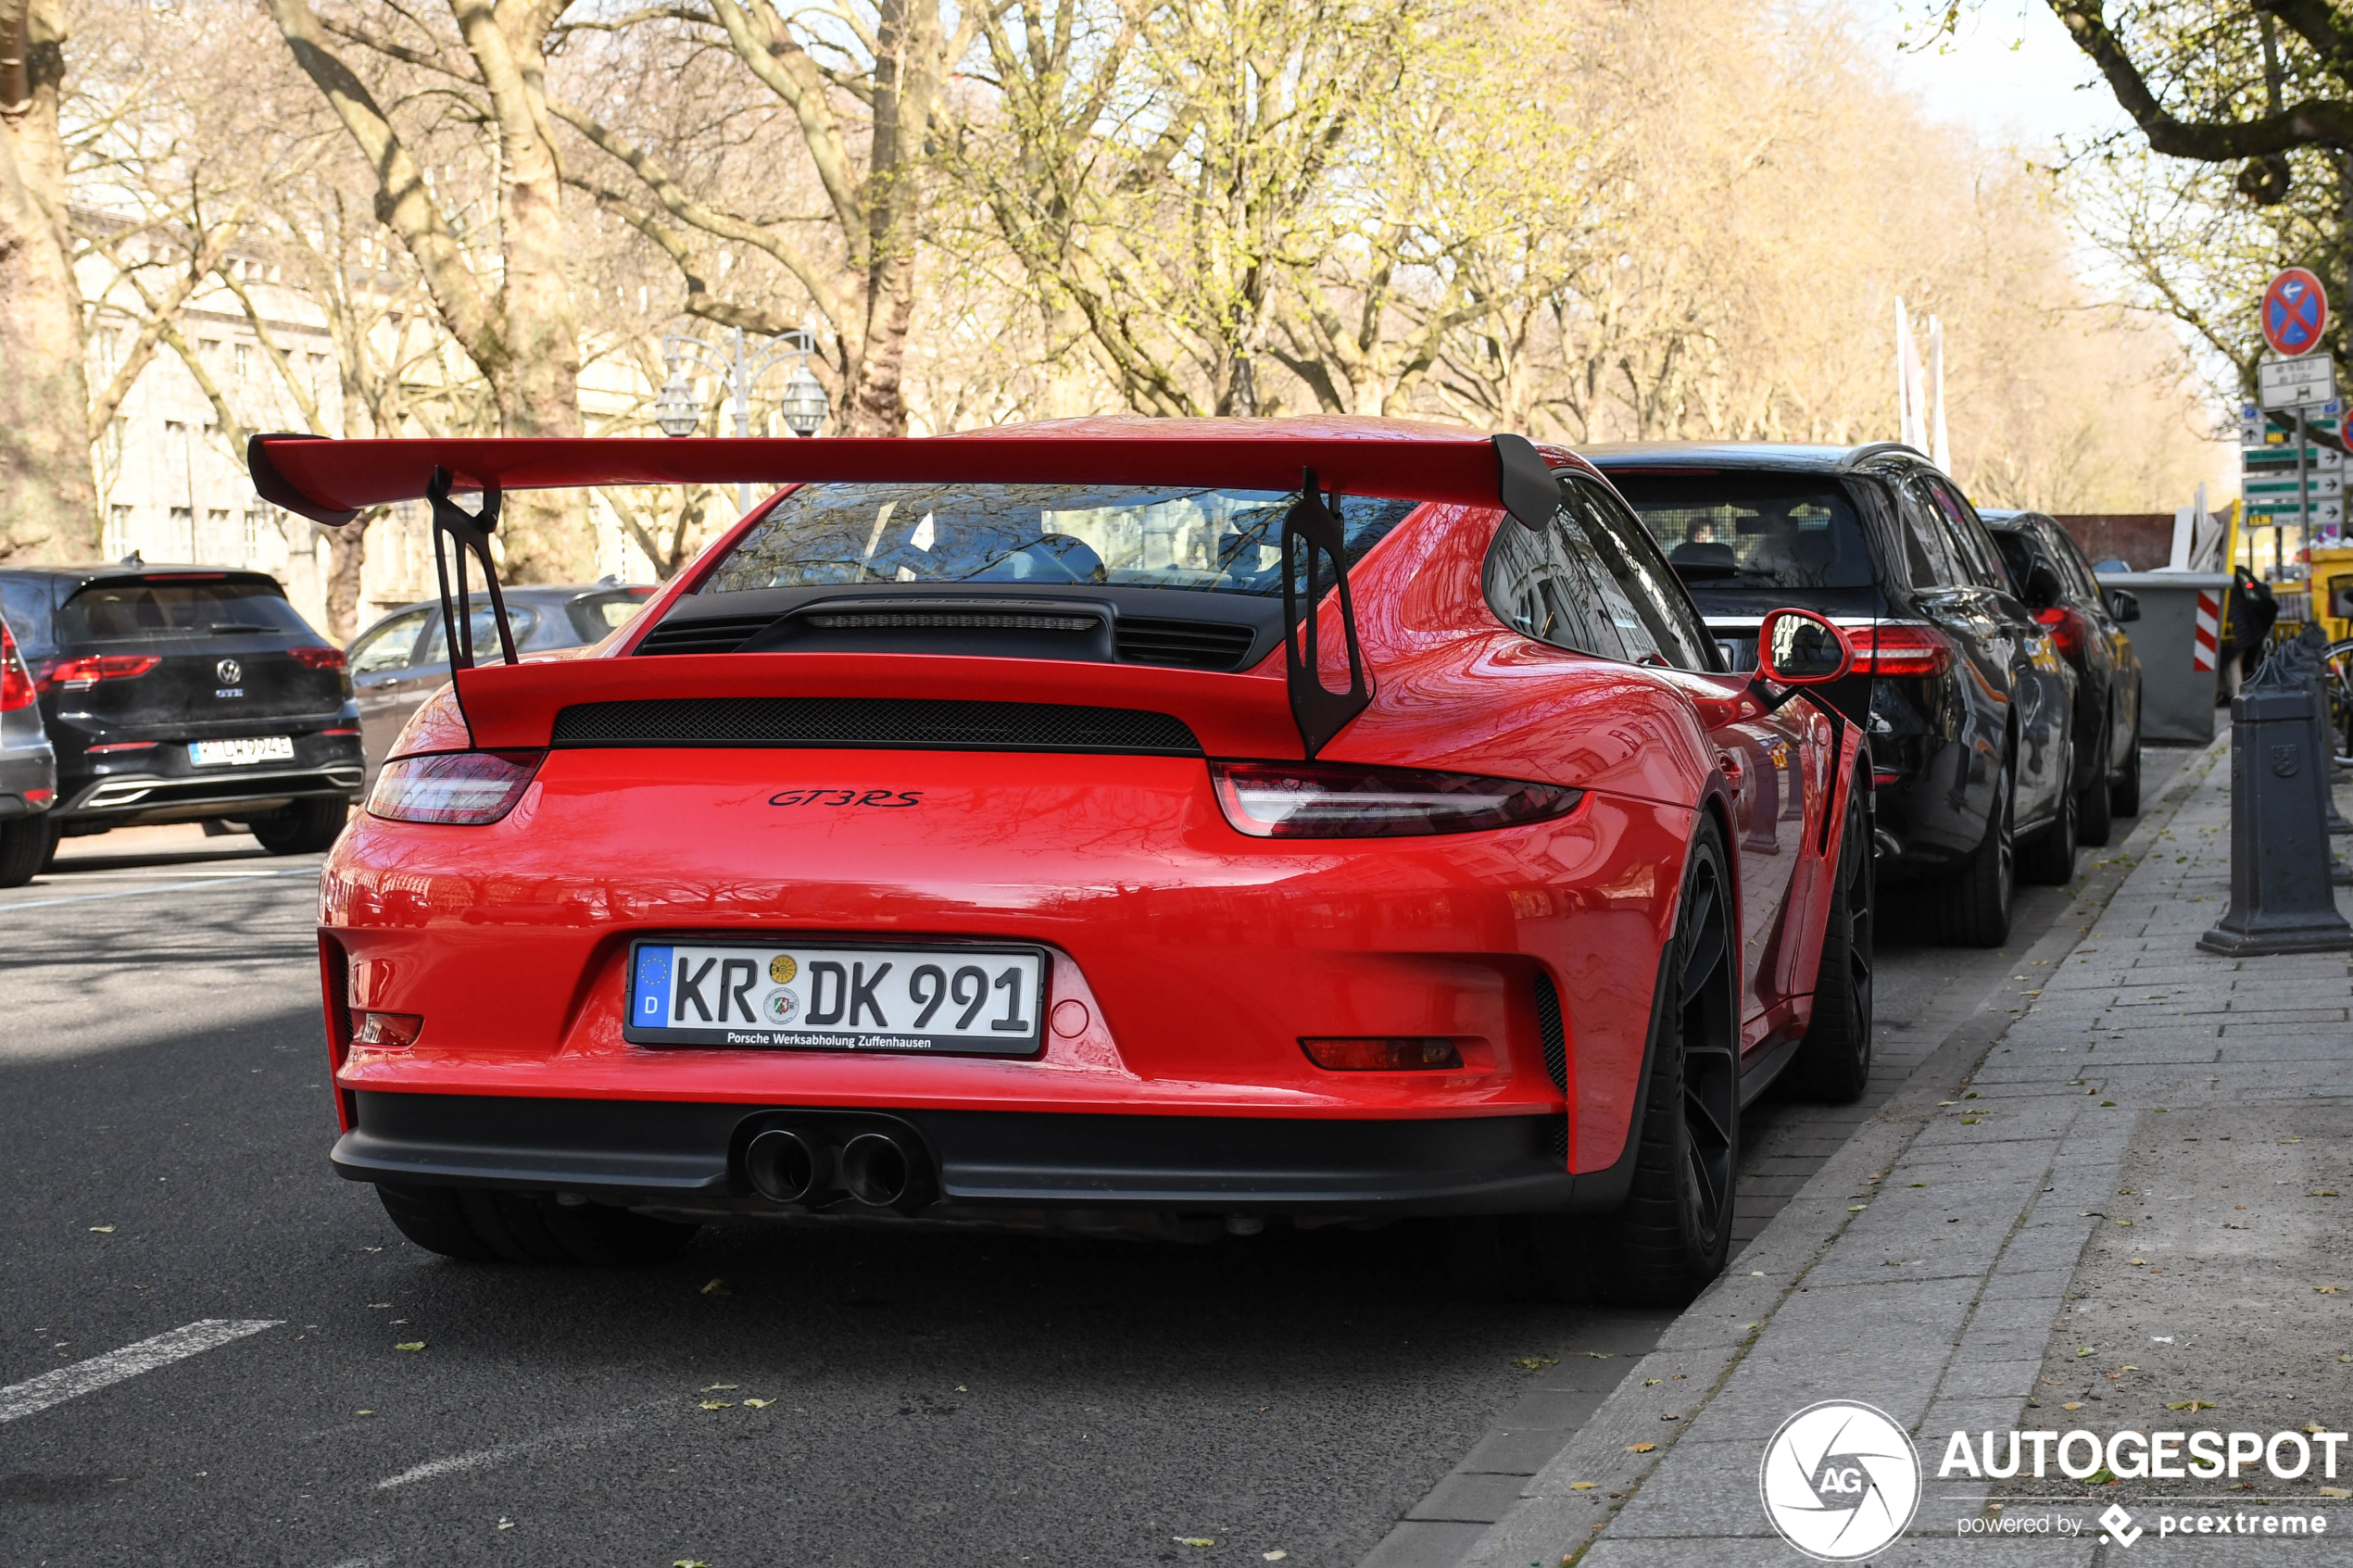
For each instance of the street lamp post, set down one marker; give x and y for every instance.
(738, 365)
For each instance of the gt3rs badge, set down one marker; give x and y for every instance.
(890, 799)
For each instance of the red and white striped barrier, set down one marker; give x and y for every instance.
(2207, 652)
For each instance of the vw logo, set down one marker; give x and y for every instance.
(229, 671)
(1840, 1481)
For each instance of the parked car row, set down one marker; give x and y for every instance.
(1992, 674)
(135, 694)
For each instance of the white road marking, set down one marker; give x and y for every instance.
(481, 1459)
(167, 887)
(36, 1394)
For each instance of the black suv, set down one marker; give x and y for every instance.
(178, 693)
(2087, 622)
(1965, 699)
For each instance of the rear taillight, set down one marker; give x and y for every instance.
(1334, 800)
(109, 748)
(1899, 647)
(466, 788)
(1383, 1053)
(15, 684)
(2067, 626)
(317, 658)
(81, 674)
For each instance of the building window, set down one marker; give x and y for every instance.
(116, 543)
(253, 535)
(244, 363)
(183, 529)
(216, 529)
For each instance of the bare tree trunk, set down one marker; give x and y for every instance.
(347, 553)
(48, 495)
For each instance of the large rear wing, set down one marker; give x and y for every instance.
(332, 482)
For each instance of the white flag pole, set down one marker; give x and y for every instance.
(1940, 449)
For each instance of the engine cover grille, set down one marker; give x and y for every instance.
(905, 723)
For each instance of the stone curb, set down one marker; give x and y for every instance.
(1557, 1518)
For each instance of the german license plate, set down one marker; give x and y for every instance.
(952, 1001)
(239, 753)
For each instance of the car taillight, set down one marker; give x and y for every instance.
(467, 788)
(17, 689)
(1383, 1053)
(385, 1031)
(317, 658)
(108, 748)
(1336, 800)
(2067, 628)
(81, 674)
(1897, 647)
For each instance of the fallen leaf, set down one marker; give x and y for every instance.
(1640, 1448)
(2314, 1426)
(2140, 1262)
(2083, 1350)
(1534, 1363)
(363, 1412)
(412, 1345)
(103, 1230)
(717, 1287)
(2191, 1405)
(506, 1524)
(1582, 1485)
(1971, 1121)
(1275, 1556)
(1920, 1184)
(1855, 1207)
(689, 1562)
(2072, 1405)
(1652, 1382)
(2328, 1290)
(2335, 1492)
(2325, 1192)
(716, 1387)
(1192, 1540)
(758, 1404)
(1600, 1355)
(717, 1405)
(2107, 1102)
(2129, 1367)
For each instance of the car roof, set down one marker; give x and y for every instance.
(537, 594)
(1781, 455)
(92, 570)
(2013, 519)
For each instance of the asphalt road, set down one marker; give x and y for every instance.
(880, 1399)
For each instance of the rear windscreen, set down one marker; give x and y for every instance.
(119, 611)
(1043, 535)
(1753, 530)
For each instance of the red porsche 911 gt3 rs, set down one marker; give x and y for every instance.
(1117, 825)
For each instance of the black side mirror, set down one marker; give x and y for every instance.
(2043, 588)
(2123, 604)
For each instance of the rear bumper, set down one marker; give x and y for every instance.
(26, 771)
(162, 785)
(675, 1153)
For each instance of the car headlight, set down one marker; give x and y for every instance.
(1339, 800)
(462, 787)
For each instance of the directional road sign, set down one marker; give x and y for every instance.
(2295, 312)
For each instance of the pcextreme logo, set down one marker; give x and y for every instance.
(1840, 1481)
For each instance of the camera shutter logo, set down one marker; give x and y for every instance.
(1840, 1481)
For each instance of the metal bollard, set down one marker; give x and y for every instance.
(2280, 898)
(2310, 651)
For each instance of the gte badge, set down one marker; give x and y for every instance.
(1840, 1481)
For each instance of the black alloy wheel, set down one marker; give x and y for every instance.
(2094, 818)
(1834, 1064)
(303, 828)
(26, 844)
(1973, 907)
(1675, 1233)
(2124, 795)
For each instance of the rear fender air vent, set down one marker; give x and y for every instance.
(1187, 645)
(717, 633)
(1550, 1034)
(897, 724)
(945, 621)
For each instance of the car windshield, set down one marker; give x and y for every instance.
(1045, 535)
(123, 612)
(1735, 530)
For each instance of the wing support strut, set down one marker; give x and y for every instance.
(462, 533)
(1312, 535)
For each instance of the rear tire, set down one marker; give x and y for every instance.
(2124, 795)
(2095, 811)
(26, 844)
(304, 828)
(1833, 1064)
(1974, 908)
(2049, 857)
(1674, 1235)
(479, 1226)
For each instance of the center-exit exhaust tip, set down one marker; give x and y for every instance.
(785, 1167)
(881, 1173)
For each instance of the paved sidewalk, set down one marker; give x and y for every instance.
(1957, 1221)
